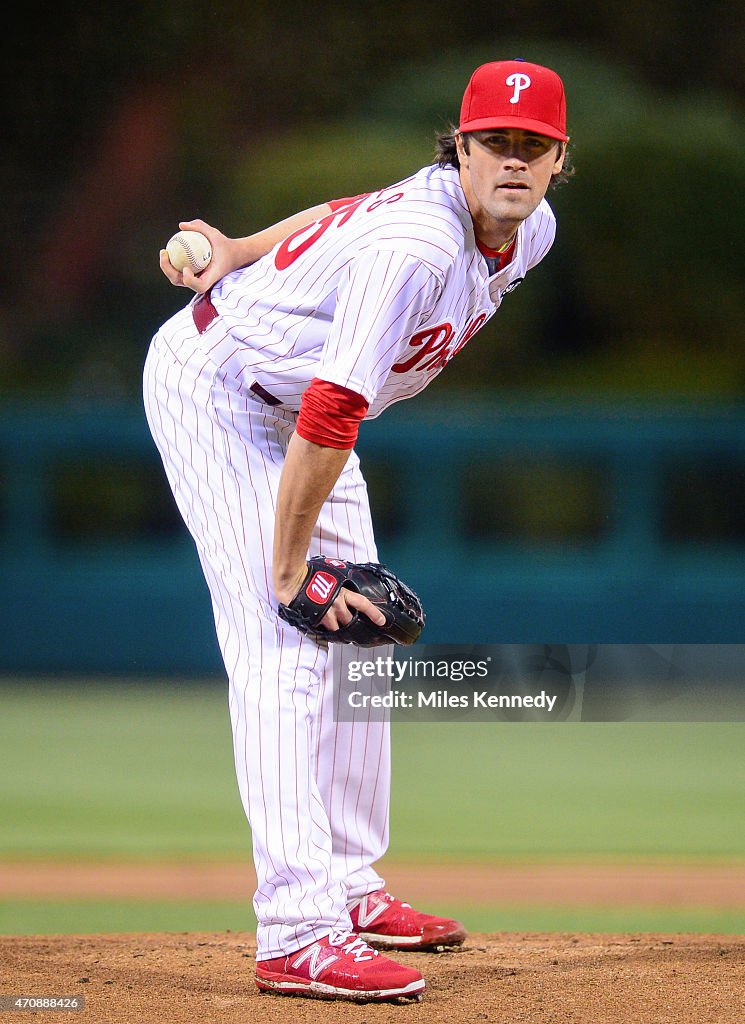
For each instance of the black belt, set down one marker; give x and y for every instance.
(204, 313)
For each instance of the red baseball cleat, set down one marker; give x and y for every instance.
(384, 921)
(339, 967)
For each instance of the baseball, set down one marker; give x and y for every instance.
(189, 248)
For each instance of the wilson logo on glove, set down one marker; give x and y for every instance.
(404, 616)
(320, 587)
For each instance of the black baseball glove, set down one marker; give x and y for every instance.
(326, 577)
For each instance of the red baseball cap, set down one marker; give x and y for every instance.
(515, 94)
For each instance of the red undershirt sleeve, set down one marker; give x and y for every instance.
(330, 415)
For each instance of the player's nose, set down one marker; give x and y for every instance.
(516, 157)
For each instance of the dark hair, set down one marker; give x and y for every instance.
(446, 154)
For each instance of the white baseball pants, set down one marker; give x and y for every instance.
(315, 790)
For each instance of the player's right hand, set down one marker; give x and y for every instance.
(225, 258)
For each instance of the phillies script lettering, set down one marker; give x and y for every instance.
(432, 346)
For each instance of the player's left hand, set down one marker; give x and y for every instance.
(354, 603)
(346, 605)
(341, 610)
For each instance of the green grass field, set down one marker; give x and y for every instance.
(134, 771)
(30, 917)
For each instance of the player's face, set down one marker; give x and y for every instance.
(505, 174)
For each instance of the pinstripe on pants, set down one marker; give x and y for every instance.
(315, 790)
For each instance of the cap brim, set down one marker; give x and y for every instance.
(540, 127)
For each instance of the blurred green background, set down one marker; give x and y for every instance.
(588, 445)
(133, 772)
(122, 120)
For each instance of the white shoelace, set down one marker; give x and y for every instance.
(354, 945)
(388, 899)
(391, 898)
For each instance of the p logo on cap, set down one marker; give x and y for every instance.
(515, 94)
(520, 82)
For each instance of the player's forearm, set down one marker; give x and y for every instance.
(253, 247)
(308, 477)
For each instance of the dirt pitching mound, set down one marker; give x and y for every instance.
(536, 978)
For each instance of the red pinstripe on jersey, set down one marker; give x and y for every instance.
(353, 290)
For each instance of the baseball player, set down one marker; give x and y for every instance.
(254, 393)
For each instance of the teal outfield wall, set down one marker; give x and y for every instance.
(515, 523)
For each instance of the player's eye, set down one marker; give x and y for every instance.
(537, 142)
(494, 140)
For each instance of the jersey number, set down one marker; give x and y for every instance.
(300, 241)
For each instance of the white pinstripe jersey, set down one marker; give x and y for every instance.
(377, 296)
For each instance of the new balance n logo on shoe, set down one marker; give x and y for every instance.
(339, 966)
(318, 957)
(368, 911)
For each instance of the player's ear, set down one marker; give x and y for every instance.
(560, 154)
(461, 145)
